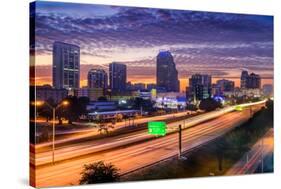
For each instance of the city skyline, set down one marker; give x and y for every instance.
(245, 41)
(115, 90)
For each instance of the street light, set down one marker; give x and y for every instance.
(63, 103)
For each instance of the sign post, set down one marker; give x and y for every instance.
(180, 141)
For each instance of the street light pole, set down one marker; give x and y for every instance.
(180, 132)
(54, 124)
(63, 103)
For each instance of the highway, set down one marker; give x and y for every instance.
(132, 156)
(125, 123)
(71, 150)
(86, 133)
(72, 135)
(252, 159)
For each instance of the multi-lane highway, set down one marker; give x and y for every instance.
(130, 156)
(77, 135)
(73, 149)
(252, 159)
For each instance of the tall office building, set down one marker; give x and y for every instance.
(243, 79)
(66, 66)
(253, 81)
(250, 81)
(224, 85)
(97, 78)
(200, 87)
(166, 72)
(117, 77)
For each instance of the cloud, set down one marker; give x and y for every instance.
(216, 43)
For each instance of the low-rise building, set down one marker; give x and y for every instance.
(102, 106)
(170, 100)
(47, 92)
(95, 93)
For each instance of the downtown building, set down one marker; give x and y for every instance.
(97, 84)
(253, 81)
(200, 87)
(166, 72)
(117, 77)
(97, 78)
(250, 81)
(243, 79)
(151, 86)
(250, 86)
(66, 66)
(49, 94)
(92, 93)
(223, 86)
(135, 87)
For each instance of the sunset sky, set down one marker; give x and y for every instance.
(201, 42)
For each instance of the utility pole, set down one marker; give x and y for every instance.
(180, 132)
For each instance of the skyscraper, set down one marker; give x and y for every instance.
(243, 79)
(253, 81)
(224, 85)
(97, 78)
(117, 77)
(166, 72)
(200, 87)
(66, 66)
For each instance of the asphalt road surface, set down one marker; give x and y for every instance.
(130, 156)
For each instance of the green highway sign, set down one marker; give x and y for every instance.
(157, 128)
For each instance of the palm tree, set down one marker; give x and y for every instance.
(104, 128)
(99, 172)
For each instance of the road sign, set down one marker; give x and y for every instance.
(157, 128)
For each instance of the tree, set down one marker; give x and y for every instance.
(102, 98)
(270, 106)
(104, 128)
(76, 107)
(99, 172)
(191, 107)
(209, 104)
(45, 110)
(220, 148)
(146, 105)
